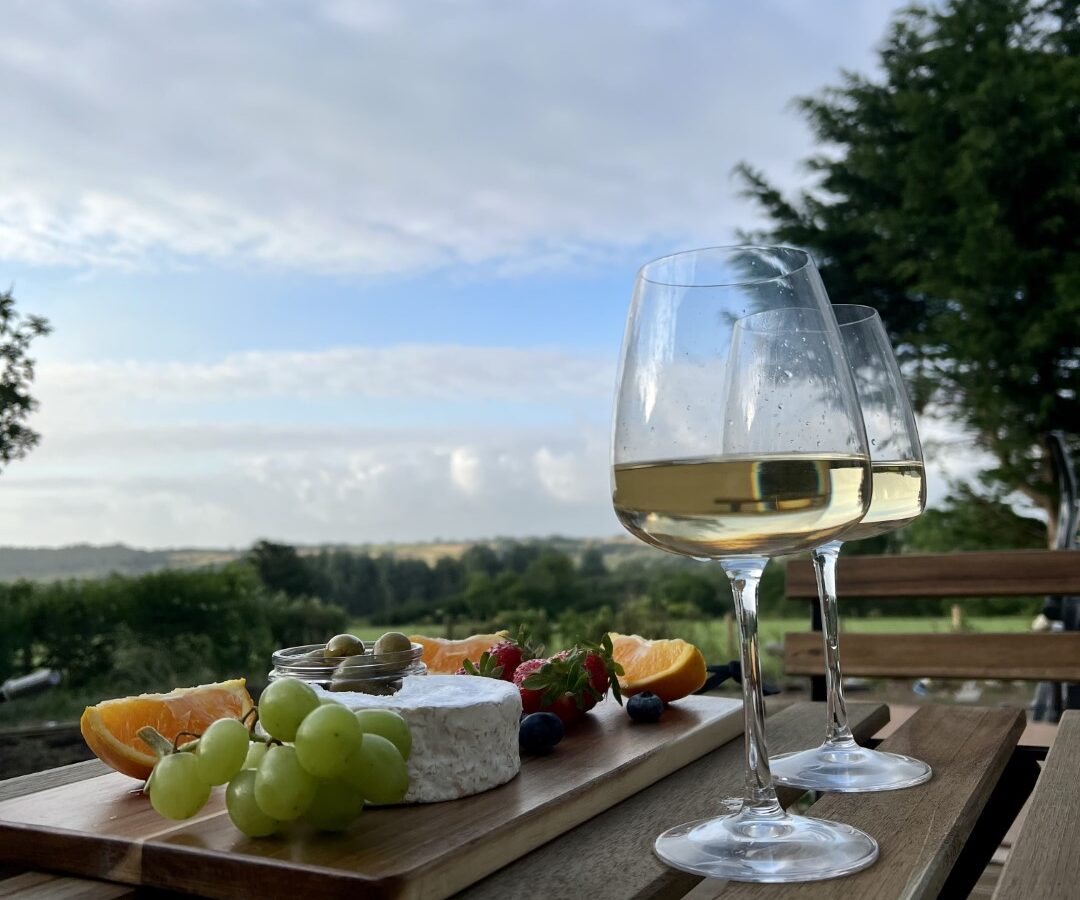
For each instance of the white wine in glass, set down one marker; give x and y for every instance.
(762, 504)
(899, 496)
(737, 436)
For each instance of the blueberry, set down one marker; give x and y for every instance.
(645, 707)
(539, 733)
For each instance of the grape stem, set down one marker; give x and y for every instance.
(189, 746)
(156, 741)
(254, 711)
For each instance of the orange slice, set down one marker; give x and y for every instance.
(444, 657)
(668, 668)
(111, 728)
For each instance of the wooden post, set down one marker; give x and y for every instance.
(957, 618)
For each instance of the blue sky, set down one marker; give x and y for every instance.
(357, 271)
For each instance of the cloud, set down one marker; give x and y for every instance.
(271, 444)
(394, 489)
(384, 137)
(410, 371)
(224, 451)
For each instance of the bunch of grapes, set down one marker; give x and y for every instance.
(322, 761)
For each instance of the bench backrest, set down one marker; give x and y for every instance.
(1031, 657)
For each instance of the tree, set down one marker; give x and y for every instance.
(948, 198)
(690, 588)
(971, 521)
(550, 583)
(592, 564)
(16, 375)
(481, 559)
(280, 568)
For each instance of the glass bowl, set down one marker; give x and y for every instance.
(365, 673)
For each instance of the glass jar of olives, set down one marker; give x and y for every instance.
(344, 664)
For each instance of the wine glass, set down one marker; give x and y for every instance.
(899, 495)
(737, 436)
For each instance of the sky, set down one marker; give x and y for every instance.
(357, 271)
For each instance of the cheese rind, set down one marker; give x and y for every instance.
(464, 732)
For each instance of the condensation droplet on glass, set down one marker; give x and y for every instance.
(873, 442)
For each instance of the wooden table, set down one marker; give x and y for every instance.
(935, 838)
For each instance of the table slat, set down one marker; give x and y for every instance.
(610, 856)
(24, 785)
(44, 886)
(920, 830)
(1045, 860)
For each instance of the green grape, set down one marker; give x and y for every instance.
(327, 739)
(283, 789)
(177, 788)
(388, 724)
(337, 804)
(283, 705)
(378, 771)
(243, 810)
(222, 750)
(255, 753)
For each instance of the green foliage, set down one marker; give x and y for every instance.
(948, 199)
(972, 521)
(281, 569)
(156, 631)
(16, 375)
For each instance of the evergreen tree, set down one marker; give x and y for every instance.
(948, 198)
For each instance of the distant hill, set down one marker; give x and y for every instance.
(90, 561)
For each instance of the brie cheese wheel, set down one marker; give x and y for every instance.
(464, 732)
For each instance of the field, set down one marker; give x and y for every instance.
(719, 646)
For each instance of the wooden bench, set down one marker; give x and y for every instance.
(1029, 657)
(1045, 860)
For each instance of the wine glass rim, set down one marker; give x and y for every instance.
(861, 310)
(807, 261)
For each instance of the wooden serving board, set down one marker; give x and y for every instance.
(104, 828)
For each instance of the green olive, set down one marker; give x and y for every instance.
(343, 645)
(313, 659)
(361, 686)
(392, 642)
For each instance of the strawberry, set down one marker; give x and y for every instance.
(603, 671)
(509, 655)
(566, 708)
(559, 685)
(530, 699)
(502, 659)
(487, 667)
(598, 676)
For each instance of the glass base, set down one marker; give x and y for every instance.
(775, 848)
(848, 768)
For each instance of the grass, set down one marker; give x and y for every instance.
(66, 704)
(712, 635)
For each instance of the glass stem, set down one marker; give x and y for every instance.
(837, 732)
(760, 798)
